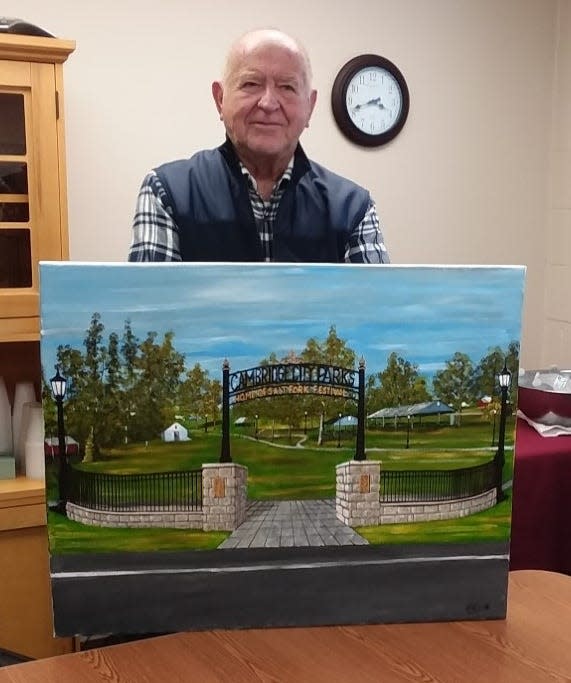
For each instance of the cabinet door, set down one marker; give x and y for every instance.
(30, 218)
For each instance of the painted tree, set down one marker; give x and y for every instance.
(291, 410)
(159, 369)
(336, 351)
(88, 405)
(199, 395)
(484, 380)
(129, 351)
(453, 385)
(490, 365)
(399, 384)
(112, 412)
(332, 351)
(212, 399)
(93, 391)
(191, 390)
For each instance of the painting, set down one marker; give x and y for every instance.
(254, 445)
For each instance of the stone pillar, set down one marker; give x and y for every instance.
(224, 493)
(358, 501)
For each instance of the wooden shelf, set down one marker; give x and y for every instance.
(22, 503)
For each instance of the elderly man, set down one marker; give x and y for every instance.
(257, 197)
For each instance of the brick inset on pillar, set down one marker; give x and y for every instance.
(357, 500)
(219, 487)
(224, 494)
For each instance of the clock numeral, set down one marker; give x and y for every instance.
(361, 79)
(354, 88)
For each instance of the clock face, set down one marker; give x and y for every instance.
(370, 100)
(373, 100)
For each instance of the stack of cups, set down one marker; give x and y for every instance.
(24, 393)
(34, 458)
(6, 443)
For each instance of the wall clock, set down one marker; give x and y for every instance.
(370, 100)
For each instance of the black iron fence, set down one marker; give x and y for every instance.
(158, 491)
(430, 485)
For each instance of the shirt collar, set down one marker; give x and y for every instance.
(280, 184)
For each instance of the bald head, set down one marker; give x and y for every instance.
(260, 38)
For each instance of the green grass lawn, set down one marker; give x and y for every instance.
(277, 473)
(490, 525)
(474, 432)
(67, 536)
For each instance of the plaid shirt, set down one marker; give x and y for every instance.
(155, 234)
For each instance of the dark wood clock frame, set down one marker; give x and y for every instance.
(338, 100)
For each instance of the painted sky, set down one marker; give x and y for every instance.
(244, 312)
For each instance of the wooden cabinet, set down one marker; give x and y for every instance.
(33, 227)
(26, 624)
(33, 197)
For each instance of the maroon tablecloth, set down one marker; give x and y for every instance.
(541, 515)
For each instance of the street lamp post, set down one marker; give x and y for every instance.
(494, 411)
(339, 432)
(256, 427)
(407, 431)
(504, 379)
(58, 386)
(305, 422)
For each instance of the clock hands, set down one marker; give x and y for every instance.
(376, 101)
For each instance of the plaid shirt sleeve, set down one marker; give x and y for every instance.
(155, 234)
(366, 243)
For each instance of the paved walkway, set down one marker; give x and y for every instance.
(288, 523)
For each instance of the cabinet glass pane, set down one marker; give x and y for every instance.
(15, 258)
(13, 177)
(12, 124)
(14, 212)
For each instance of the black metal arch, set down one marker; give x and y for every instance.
(282, 379)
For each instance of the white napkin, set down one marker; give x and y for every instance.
(550, 427)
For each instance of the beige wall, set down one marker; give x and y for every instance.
(467, 180)
(556, 345)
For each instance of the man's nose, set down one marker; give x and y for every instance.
(269, 100)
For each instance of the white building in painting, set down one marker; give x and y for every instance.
(176, 432)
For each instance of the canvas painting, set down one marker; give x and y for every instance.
(252, 445)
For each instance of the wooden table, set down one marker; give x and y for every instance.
(532, 645)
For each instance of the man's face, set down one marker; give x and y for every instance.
(265, 102)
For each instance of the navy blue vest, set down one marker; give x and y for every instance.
(209, 196)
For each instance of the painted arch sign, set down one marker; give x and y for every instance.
(282, 379)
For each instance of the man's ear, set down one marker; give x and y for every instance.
(312, 101)
(218, 94)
